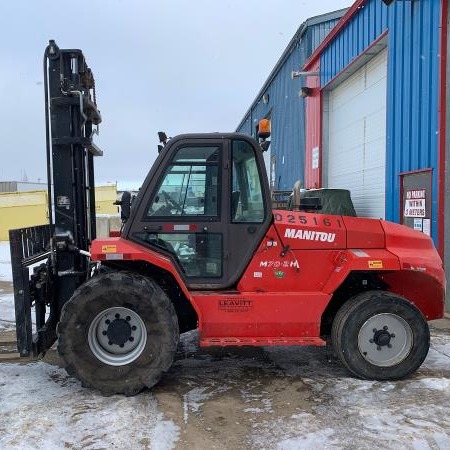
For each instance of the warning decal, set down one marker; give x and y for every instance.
(376, 264)
(109, 248)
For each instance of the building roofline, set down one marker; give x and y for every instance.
(287, 51)
(334, 32)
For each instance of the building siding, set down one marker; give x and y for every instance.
(286, 107)
(286, 111)
(413, 92)
(362, 29)
(21, 186)
(317, 33)
(413, 33)
(22, 209)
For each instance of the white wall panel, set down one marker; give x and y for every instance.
(357, 137)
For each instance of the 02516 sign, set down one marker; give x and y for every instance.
(415, 203)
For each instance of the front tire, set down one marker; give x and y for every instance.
(378, 335)
(118, 333)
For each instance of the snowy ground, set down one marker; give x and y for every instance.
(5, 262)
(7, 317)
(273, 398)
(256, 398)
(41, 408)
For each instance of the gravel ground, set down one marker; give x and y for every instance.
(283, 398)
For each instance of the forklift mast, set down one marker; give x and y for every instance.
(72, 118)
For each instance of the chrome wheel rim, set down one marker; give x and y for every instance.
(117, 336)
(385, 340)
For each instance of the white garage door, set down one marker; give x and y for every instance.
(357, 137)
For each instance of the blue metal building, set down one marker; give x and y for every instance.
(402, 45)
(375, 117)
(410, 30)
(279, 100)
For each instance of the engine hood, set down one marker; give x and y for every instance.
(310, 231)
(321, 231)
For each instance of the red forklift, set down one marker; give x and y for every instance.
(201, 247)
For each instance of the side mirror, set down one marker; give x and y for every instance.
(125, 204)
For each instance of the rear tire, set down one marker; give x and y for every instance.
(378, 335)
(118, 333)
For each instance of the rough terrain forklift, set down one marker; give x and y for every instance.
(202, 248)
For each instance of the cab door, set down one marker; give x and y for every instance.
(203, 205)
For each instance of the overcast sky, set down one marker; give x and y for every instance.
(173, 65)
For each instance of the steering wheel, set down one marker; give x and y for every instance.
(168, 198)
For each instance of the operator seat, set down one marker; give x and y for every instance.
(235, 196)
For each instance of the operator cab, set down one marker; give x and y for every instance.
(206, 204)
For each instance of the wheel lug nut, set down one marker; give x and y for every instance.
(392, 335)
(121, 345)
(378, 347)
(374, 330)
(107, 321)
(104, 333)
(128, 318)
(385, 328)
(131, 339)
(389, 345)
(109, 343)
(117, 316)
(371, 341)
(134, 328)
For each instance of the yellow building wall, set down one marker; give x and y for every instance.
(105, 196)
(27, 209)
(22, 209)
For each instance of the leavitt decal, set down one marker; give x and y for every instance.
(308, 235)
(235, 305)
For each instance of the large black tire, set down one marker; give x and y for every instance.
(378, 335)
(100, 309)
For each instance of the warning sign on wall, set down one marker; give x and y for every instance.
(415, 203)
(416, 200)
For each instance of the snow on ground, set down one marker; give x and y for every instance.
(41, 407)
(7, 315)
(294, 398)
(5, 262)
(352, 413)
(283, 398)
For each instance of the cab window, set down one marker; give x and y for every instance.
(190, 186)
(247, 204)
(199, 254)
